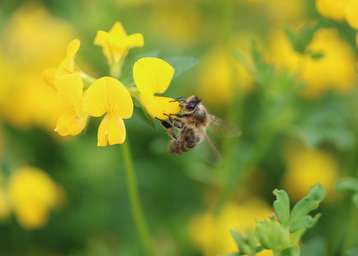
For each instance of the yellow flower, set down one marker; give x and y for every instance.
(351, 13)
(221, 77)
(152, 76)
(317, 73)
(334, 9)
(184, 26)
(72, 119)
(108, 96)
(116, 43)
(35, 38)
(211, 232)
(67, 82)
(33, 194)
(67, 65)
(306, 167)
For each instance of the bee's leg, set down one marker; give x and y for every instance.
(165, 124)
(169, 127)
(181, 115)
(176, 122)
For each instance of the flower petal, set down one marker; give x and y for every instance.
(135, 40)
(159, 107)
(70, 124)
(111, 131)
(70, 91)
(117, 30)
(101, 38)
(68, 64)
(49, 77)
(108, 95)
(351, 12)
(32, 216)
(152, 75)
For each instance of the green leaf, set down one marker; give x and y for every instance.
(282, 206)
(182, 64)
(272, 235)
(348, 184)
(246, 244)
(299, 214)
(304, 222)
(236, 236)
(300, 39)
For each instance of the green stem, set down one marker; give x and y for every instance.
(133, 193)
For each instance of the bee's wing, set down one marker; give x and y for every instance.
(218, 125)
(213, 147)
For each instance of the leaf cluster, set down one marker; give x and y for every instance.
(282, 233)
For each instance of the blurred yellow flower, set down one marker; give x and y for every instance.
(211, 232)
(152, 76)
(351, 13)
(34, 37)
(184, 27)
(31, 103)
(33, 194)
(221, 77)
(306, 167)
(333, 9)
(285, 12)
(317, 74)
(116, 43)
(110, 97)
(33, 40)
(7, 74)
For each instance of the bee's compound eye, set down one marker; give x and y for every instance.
(191, 105)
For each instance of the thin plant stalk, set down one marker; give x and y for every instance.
(134, 199)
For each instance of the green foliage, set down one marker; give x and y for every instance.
(300, 218)
(282, 233)
(282, 206)
(349, 184)
(182, 64)
(301, 38)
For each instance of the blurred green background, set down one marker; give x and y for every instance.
(283, 72)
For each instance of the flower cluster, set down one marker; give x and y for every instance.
(306, 167)
(316, 73)
(30, 194)
(107, 96)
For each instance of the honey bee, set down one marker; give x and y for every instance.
(187, 128)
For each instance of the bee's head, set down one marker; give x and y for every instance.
(191, 103)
